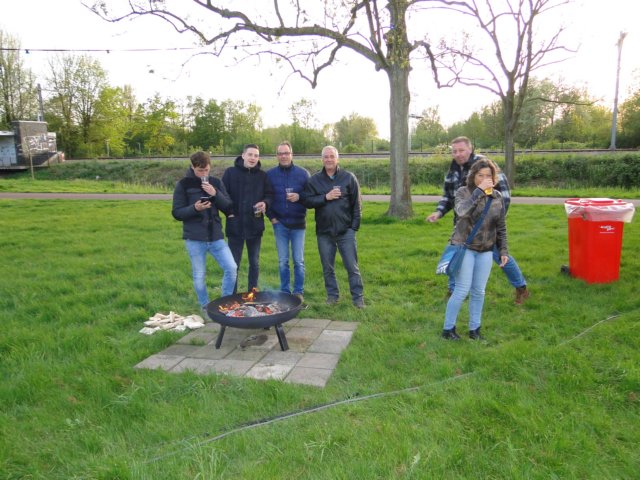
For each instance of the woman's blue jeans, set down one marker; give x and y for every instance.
(511, 270)
(295, 237)
(219, 250)
(471, 280)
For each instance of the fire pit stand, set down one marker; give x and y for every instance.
(282, 339)
(292, 305)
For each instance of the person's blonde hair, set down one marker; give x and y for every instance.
(462, 139)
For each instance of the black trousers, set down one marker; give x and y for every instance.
(236, 245)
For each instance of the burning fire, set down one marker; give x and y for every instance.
(249, 307)
(250, 296)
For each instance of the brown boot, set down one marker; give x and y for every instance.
(521, 295)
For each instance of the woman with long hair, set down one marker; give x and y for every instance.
(473, 275)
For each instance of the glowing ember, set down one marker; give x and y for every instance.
(251, 308)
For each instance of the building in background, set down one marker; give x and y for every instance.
(29, 144)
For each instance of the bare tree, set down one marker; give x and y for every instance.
(308, 35)
(516, 49)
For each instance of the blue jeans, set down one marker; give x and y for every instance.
(285, 236)
(471, 279)
(347, 246)
(219, 250)
(253, 252)
(511, 270)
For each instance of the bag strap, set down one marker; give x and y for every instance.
(476, 227)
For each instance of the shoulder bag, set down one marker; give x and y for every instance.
(451, 258)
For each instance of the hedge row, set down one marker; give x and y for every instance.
(621, 170)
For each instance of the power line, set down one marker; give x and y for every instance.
(97, 50)
(126, 50)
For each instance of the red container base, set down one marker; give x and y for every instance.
(594, 250)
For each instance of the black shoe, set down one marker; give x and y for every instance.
(475, 334)
(450, 334)
(359, 302)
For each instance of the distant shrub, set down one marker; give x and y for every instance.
(607, 169)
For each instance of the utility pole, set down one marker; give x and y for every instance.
(40, 105)
(614, 123)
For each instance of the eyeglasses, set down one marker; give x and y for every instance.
(284, 153)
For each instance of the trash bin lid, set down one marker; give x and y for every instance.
(599, 209)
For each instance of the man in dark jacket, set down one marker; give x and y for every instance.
(463, 159)
(197, 200)
(288, 217)
(334, 193)
(250, 192)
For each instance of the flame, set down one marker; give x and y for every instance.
(250, 296)
(228, 307)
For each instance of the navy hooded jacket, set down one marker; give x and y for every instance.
(246, 187)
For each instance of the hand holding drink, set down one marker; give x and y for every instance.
(258, 209)
(289, 194)
(334, 193)
(486, 186)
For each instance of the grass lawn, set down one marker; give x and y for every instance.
(554, 392)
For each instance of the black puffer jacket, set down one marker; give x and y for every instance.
(334, 217)
(204, 226)
(246, 187)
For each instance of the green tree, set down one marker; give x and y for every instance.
(303, 113)
(208, 127)
(160, 124)
(630, 122)
(355, 133)
(304, 136)
(242, 125)
(111, 123)
(429, 131)
(18, 93)
(75, 83)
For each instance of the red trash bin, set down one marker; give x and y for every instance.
(595, 237)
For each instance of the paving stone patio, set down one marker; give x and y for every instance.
(314, 351)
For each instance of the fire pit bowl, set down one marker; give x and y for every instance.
(291, 306)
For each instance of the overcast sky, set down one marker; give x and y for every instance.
(352, 86)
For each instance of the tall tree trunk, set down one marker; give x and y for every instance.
(400, 203)
(509, 155)
(398, 66)
(508, 106)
